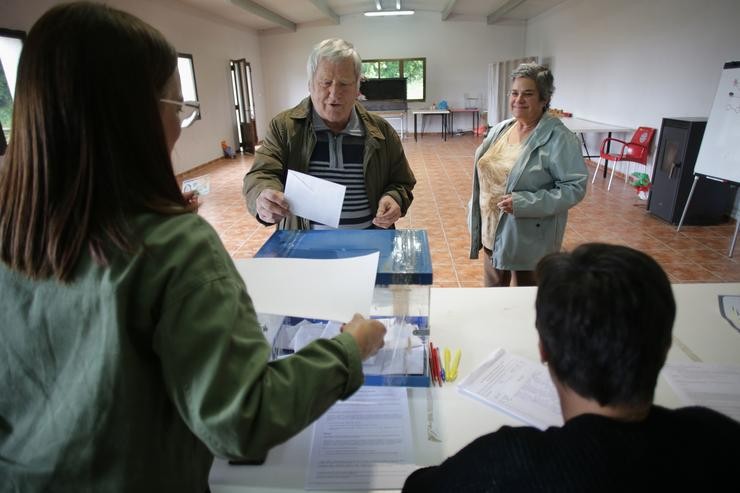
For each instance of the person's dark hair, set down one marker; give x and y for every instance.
(605, 316)
(88, 146)
(541, 76)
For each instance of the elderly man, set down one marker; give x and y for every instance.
(331, 136)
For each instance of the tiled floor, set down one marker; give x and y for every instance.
(443, 173)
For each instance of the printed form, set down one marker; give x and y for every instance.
(705, 384)
(516, 385)
(363, 443)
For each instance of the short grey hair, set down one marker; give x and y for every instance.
(541, 76)
(334, 50)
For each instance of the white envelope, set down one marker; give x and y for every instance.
(313, 198)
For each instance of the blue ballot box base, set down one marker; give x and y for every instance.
(397, 380)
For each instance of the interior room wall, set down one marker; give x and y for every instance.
(212, 42)
(457, 53)
(633, 62)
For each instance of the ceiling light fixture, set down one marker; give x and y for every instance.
(381, 12)
(374, 13)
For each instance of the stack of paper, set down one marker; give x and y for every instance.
(363, 443)
(703, 384)
(517, 386)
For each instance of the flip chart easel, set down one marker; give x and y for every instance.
(718, 158)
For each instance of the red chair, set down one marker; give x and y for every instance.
(636, 150)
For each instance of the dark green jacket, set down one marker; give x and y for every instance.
(289, 144)
(132, 376)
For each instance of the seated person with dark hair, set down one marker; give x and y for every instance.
(604, 317)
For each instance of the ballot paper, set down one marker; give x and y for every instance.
(402, 352)
(314, 199)
(326, 289)
(363, 443)
(517, 386)
(705, 384)
(200, 184)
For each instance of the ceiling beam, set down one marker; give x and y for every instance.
(448, 10)
(269, 15)
(503, 10)
(323, 6)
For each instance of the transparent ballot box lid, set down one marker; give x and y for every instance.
(400, 298)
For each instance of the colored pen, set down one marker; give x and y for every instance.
(447, 366)
(432, 371)
(436, 367)
(439, 366)
(455, 364)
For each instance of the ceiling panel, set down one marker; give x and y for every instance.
(307, 12)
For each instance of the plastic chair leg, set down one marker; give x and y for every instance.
(611, 177)
(598, 163)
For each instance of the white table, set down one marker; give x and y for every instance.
(444, 114)
(582, 126)
(478, 320)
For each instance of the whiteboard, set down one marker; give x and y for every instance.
(719, 155)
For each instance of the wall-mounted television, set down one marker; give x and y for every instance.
(383, 89)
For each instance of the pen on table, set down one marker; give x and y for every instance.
(455, 364)
(435, 361)
(431, 362)
(437, 375)
(440, 373)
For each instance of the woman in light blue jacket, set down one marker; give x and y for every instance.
(528, 172)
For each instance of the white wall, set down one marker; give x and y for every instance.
(211, 42)
(634, 62)
(457, 54)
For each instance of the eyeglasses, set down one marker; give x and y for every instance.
(188, 112)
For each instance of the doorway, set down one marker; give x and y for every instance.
(241, 84)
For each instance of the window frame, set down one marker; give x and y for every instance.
(189, 58)
(401, 61)
(20, 35)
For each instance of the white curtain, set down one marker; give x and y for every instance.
(499, 84)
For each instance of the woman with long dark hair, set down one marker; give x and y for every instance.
(130, 351)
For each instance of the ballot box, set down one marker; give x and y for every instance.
(400, 298)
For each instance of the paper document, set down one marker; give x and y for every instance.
(363, 443)
(729, 307)
(402, 352)
(326, 289)
(201, 184)
(516, 385)
(704, 384)
(313, 198)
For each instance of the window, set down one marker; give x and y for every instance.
(187, 78)
(11, 43)
(413, 69)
